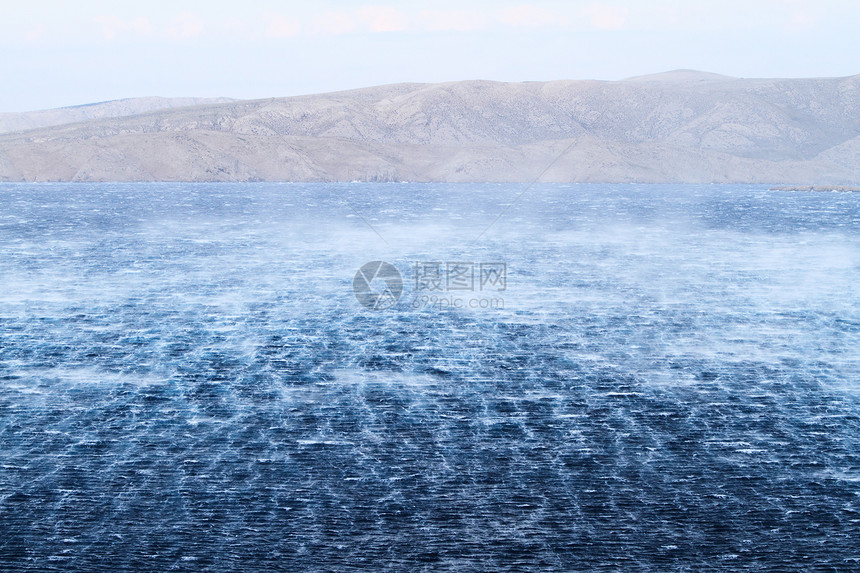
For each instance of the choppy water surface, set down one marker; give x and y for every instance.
(187, 382)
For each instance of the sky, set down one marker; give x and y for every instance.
(58, 53)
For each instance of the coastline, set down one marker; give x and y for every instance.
(841, 188)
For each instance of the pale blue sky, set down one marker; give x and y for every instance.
(56, 53)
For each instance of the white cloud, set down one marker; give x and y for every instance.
(282, 26)
(334, 24)
(606, 17)
(113, 26)
(799, 20)
(451, 21)
(530, 16)
(35, 33)
(185, 25)
(383, 18)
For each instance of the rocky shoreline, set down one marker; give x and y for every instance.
(843, 188)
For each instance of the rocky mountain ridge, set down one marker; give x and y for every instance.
(681, 126)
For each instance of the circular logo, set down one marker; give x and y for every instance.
(377, 285)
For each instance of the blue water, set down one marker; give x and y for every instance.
(670, 380)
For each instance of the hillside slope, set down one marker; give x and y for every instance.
(677, 127)
(22, 121)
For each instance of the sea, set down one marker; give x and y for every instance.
(428, 377)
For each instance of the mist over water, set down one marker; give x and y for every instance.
(188, 383)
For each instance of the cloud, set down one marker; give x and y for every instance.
(451, 21)
(35, 33)
(604, 17)
(282, 27)
(364, 19)
(800, 20)
(112, 26)
(529, 16)
(186, 25)
(377, 19)
(334, 24)
(383, 18)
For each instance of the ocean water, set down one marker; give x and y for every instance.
(667, 379)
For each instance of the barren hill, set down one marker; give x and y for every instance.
(680, 126)
(23, 121)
